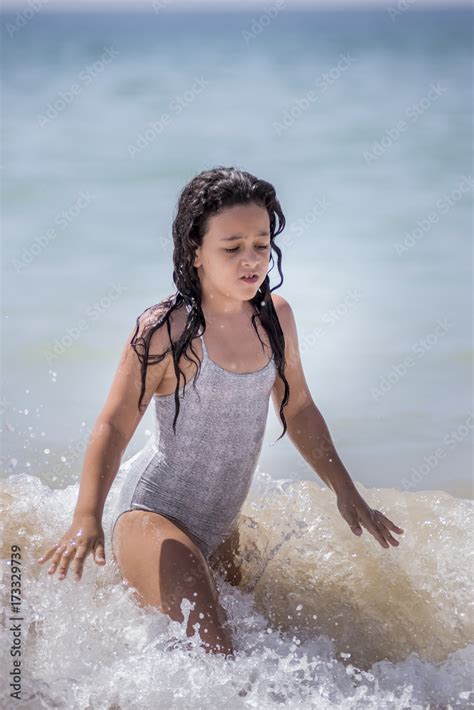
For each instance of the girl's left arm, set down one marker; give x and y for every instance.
(309, 433)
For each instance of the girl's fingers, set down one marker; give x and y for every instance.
(377, 524)
(55, 559)
(391, 525)
(375, 531)
(385, 531)
(47, 554)
(378, 534)
(389, 537)
(79, 560)
(99, 554)
(66, 558)
(385, 534)
(63, 553)
(384, 523)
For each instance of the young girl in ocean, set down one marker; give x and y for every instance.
(176, 521)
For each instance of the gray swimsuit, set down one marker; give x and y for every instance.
(201, 477)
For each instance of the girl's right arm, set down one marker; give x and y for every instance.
(109, 438)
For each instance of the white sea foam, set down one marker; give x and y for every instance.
(322, 619)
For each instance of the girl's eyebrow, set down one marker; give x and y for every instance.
(261, 233)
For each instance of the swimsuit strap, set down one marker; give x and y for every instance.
(204, 349)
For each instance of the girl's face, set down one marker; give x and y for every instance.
(236, 243)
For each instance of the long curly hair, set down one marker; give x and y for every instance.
(206, 194)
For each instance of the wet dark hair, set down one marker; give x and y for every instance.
(206, 194)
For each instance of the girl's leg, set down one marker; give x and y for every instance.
(165, 566)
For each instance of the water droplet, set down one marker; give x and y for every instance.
(46, 451)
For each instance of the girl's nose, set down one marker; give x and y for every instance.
(250, 266)
(251, 259)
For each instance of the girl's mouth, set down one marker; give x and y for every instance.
(249, 279)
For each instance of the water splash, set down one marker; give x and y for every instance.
(322, 618)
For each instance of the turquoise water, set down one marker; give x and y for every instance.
(362, 121)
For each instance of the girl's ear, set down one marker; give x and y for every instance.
(197, 257)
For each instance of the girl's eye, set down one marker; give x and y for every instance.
(230, 251)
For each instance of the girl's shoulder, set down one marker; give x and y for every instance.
(154, 314)
(280, 304)
(286, 317)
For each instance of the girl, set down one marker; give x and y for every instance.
(176, 521)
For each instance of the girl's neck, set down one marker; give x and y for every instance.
(226, 314)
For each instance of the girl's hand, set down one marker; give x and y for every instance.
(85, 535)
(356, 512)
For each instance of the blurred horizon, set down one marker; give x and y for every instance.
(169, 6)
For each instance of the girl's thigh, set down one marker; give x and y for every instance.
(164, 566)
